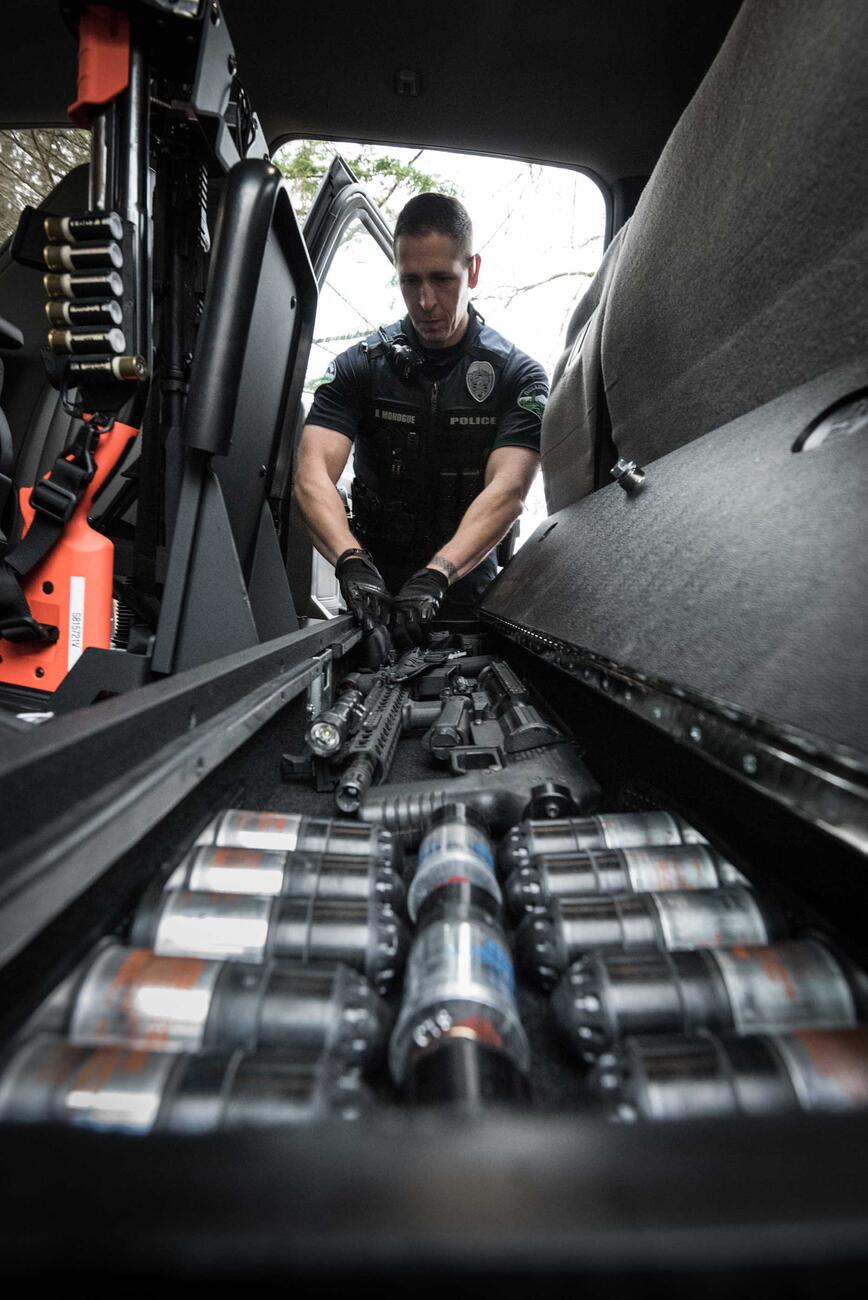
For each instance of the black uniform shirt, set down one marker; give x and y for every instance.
(344, 397)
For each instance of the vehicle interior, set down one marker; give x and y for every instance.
(233, 832)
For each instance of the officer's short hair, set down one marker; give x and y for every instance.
(440, 212)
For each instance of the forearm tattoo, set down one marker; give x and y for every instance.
(444, 566)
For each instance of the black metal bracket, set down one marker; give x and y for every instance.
(309, 767)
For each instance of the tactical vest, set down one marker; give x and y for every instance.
(423, 444)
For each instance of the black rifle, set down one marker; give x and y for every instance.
(362, 725)
(372, 749)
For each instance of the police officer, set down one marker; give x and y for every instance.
(444, 417)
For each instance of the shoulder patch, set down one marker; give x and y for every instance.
(327, 378)
(533, 398)
(480, 380)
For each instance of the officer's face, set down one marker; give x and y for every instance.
(435, 283)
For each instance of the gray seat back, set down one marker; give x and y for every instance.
(744, 269)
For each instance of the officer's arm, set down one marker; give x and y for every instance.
(322, 455)
(509, 473)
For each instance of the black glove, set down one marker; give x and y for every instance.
(415, 606)
(363, 588)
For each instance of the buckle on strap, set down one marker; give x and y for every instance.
(24, 628)
(57, 496)
(53, 500)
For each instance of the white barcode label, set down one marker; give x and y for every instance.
(75, 636)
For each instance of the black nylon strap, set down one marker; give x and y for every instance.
(54, 500)
(16, 623)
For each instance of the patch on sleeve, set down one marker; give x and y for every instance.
(328, 378)
(533, 398)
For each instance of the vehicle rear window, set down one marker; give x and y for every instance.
(539, 229)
